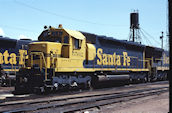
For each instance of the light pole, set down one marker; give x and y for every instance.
(161, 37)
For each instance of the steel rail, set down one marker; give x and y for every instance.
(109, 101)
(85, 99)
(74, 97)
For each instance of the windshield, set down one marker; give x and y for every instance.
(52, 36)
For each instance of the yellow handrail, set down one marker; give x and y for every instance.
(41, 56)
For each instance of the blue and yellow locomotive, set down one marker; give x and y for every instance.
(13, 54)
(67, 58)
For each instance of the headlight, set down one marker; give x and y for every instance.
(43, 45)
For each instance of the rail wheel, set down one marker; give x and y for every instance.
(130, 80)
(39, 90)
(165, 77)
(89, 85)
(145, 79)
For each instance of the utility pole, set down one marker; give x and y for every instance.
(161, 37)
(133, 35)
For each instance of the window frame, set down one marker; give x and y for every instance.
(79, 42)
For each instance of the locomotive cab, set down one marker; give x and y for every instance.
(60, 48)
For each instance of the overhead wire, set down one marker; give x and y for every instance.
(147, 39)
(17, 28)
(74, 19)
(65, 17)
(146, 42)
(145, 36)
(150, 36)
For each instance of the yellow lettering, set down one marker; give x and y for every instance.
(1, 59)
(13, 58)
(105, 59)
(99, 55)
(110, 59)
(118, 60)
(114, 59)
(124, 58)
(23, 54)
(128, 61)
(6, 55)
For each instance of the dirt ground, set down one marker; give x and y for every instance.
(152, 104)
(6, 92)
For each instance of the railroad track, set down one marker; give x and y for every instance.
(77, 103)
(74, 92)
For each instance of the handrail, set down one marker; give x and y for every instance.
(53, 62)
(41, 58)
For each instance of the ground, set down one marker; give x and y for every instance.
(6, 92)
(152, 104)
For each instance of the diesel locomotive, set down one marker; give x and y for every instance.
(13, 54)
(68, 58)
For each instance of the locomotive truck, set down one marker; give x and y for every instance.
(69, 58)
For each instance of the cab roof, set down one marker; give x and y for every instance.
(75, 34)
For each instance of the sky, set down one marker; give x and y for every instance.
(27, 18)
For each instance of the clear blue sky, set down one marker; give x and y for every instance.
(26, 18)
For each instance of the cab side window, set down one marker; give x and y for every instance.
(76, 44)
(66, 39)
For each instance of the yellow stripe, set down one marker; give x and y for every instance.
(162, 68)
(92, 70)
(10, 69)
(133, 69)
(79, 69)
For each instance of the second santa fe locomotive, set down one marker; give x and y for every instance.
(13, 54)
(67, 58)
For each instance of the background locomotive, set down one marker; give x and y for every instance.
(12, 55)
(67, 58)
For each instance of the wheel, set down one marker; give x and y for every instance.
(39, 90)
(89, 85)
(165, 77)
(56, 86)
(145, 79)
(130, 80)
